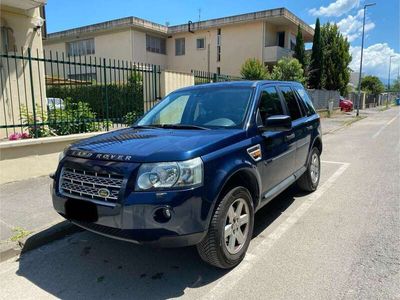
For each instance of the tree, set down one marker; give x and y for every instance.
(288, 69)
(395, 86)
(299, 50)
(372, 85)
(253, 69)
(315, 68)
(336, 59)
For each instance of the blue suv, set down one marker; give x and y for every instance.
(195, 169)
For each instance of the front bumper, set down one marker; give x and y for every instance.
(135, 217)
(137, 222)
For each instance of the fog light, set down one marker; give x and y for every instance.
(162, 215)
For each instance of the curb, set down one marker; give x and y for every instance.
(47, 235)
(344, 125)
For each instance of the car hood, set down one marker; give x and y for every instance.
(153, 145)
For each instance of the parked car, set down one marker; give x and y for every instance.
(345, 104)
(195, 169)
(55, 103)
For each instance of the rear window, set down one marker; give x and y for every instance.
(291, 102)
(306, 100)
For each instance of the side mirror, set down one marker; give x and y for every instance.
(278, 123)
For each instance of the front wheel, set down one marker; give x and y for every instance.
(230, 231)
(310, 179)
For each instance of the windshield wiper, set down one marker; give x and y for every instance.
(144, 126)
(180, 126)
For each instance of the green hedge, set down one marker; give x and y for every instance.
(121, 98)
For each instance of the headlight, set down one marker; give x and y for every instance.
(63, 154)
(170, 174)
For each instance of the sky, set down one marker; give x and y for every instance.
(382, 37)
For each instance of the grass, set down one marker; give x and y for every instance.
(353, 120)
(384, 107)
(19, 234)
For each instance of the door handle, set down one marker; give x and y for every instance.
(310, 127)
(290, 137)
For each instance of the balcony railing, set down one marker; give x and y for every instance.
(274, 53)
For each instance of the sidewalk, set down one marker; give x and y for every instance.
(26, 205)
(339, 120)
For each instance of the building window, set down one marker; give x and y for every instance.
(218, 71)
(7, 39)
(219, 44)
(292, 42)
(280, 37)
(156, 44)
(81, 47)
(201, 43)
(180, 46)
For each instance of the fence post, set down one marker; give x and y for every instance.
(32, 93)
(106, 93)
(154, 69)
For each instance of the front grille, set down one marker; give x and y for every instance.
(90, 185)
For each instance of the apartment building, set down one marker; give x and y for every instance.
(217, 45)
(22, 26)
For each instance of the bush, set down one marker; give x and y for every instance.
(288, 69)
(28, 120)
(75, 118)
(253, 69)
(122, 98)
(130, 118)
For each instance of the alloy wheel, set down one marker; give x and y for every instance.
(236, 226)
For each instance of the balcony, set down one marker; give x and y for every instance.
(24, 4)
(271, 54)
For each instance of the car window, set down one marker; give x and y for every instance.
(270, 105)
(175, 112)
(291, 102)
(216, 107)
(305, 99)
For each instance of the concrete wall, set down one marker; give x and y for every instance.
(25, 159)
(321, 98)
(15, 84)
(171, 81)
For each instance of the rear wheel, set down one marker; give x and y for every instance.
(310, 179)
(230, 231)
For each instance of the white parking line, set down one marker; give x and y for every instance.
(384, 126)
(229, 281)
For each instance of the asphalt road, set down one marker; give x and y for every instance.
(341, 242)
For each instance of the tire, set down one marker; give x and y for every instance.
(213, 249)
(308, 182)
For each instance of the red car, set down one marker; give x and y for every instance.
(345, 104)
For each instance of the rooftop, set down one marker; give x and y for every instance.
(278, 16)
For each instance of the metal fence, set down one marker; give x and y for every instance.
(202, 77)
(50, 93)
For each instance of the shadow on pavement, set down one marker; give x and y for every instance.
(86, 265)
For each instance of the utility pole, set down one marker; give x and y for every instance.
(361, 60)
(390, 64)
(388, 86)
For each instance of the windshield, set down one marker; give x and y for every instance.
(204, 107)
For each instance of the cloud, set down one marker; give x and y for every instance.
(351, 26)
(375, 60)
(337, 8)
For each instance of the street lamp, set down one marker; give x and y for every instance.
(388, 88)
(362, 50)
(390, 64)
